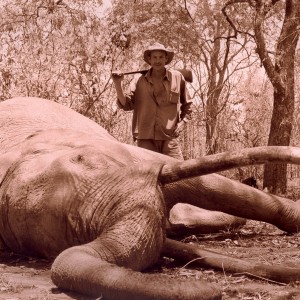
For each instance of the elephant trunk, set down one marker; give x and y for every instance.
(200, 257)
(97, 278)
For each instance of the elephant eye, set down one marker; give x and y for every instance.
(84, 161)
(78, 158)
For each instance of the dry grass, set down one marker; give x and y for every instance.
(256, 241)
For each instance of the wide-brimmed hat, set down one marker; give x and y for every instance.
(160, 47)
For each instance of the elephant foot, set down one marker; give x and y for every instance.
(186, 219)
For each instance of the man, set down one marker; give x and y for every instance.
(160, 103)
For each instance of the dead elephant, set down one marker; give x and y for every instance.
(70, 191)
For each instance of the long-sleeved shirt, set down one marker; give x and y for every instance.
(155, 115)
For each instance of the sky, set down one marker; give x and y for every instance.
(105, 6)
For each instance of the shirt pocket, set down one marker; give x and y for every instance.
(175, 88)
(174, 97)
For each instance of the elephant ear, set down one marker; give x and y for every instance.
(130, 240)
(175, 171)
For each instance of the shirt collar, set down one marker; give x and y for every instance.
(168, 75)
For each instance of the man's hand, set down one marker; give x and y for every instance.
(117, 77)
(179, 128)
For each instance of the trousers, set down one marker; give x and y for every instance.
(168, 147)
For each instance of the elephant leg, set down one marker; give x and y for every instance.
(215, 192)
(188, 219)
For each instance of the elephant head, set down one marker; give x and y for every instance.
(70, 191)
(102, 217)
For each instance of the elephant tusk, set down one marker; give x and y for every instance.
(176, 171)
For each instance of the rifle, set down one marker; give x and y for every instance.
(187, 73)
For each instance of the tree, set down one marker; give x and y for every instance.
(58, 50)
(219, 58)
(279, 66)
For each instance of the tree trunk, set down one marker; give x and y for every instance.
(282, 78)
(275, 175)
(215, 87)
(212, 102)
(281, 75)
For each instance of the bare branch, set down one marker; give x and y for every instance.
(262, 51)
(236, 31)
(187, 10)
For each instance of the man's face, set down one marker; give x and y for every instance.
(158, 59)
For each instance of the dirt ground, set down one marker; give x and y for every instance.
(29, 279)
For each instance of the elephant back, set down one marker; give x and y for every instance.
(23, 116)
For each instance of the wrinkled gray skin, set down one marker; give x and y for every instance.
(71, 191)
